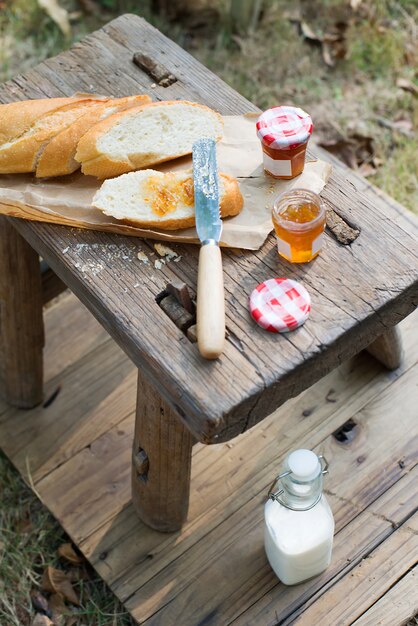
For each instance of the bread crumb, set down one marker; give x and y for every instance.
(141, 256)
(158, 264)
(165, 251)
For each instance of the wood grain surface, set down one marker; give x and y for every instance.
(161, 462)
(358, 291)
(78, 461)
(397, 606)
(368, 581)
(21, 322)
(388, 348)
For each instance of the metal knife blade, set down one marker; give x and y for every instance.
(210, 309)
(206, 190)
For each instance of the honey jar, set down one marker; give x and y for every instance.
(284, 133)
(299, 223)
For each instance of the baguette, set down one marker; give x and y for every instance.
(22, 153)
(151, 199)
(145, 136)
(57, 158)
(16, 118)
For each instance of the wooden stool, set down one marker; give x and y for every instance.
(359, 291)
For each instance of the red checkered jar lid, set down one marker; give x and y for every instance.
(280, 305)
(284, 128)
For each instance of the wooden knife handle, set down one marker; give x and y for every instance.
(210, 302)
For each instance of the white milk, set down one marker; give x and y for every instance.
(298, 540)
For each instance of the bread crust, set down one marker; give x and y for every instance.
(20, 155)
(231, 203)
(101, 167)
(95, 163)
(16, 118)
(57, 159)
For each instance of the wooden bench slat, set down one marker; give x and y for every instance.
(396, 606)
(372, 576)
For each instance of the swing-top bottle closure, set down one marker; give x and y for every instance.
(302, 473)
(298, 522)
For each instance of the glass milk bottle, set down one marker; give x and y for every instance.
(298, 522)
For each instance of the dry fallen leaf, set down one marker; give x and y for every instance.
(67, 552)
(367, 169)
(363, 147)
(333, 42)
(57, 14)
(41, 620)
(403, 126)
(75, 574)
(309, 33)
(344, 149)
(353, 150)
(355, 4)
(56, 581)
(71, 620)
(58, 609)
(407, 85)
(327, 55)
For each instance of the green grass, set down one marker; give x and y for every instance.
(29, 539)
(27, 35)
(376, 53)
(398, 177)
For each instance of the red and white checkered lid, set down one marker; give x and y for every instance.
(284, 127)
(280, 305)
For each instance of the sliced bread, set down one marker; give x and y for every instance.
(22, 153)
(57, 158)
(17, 118)
(144, 136)
(151, 199)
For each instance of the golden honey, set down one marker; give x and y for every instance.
(299, 223)
(165, 198)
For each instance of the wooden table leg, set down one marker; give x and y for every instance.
(161, 462)
(21, 320)
(388, 348)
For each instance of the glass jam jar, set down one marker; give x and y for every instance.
(299, 223)
(284, 133)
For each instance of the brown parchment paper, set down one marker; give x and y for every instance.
(67, 199)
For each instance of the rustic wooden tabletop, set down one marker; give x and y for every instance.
(358, 291)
